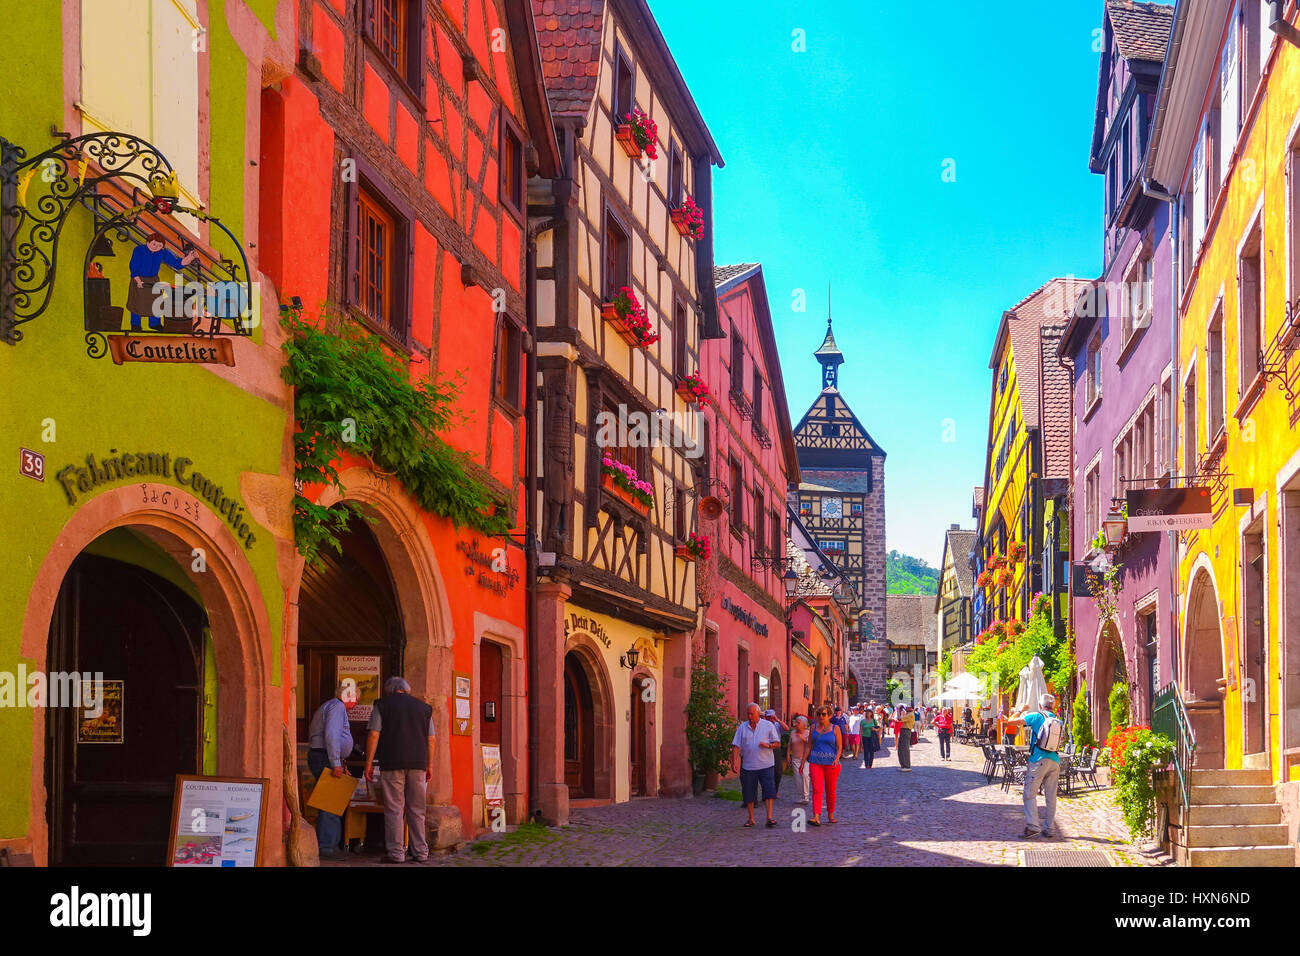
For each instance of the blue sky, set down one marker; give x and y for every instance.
(834, 171)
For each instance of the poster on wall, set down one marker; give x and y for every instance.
(102, 722)
(494, 793)
(364, 672)
(462, 720)
(217, 821)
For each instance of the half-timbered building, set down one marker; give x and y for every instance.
(842, 503)
(624, 288)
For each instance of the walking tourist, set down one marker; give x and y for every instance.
(855, 737)
(967, 718)
(905, 721)
(1046, 734)
(800, 743)
(778, 767)
(842, 722)
(753, 756)
(943, 724)
(400, 735)
(867, 730)
(330, 743)
(827, 746)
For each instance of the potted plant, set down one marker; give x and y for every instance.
(637, 133)
(709, 725)
(995, 562)
(688, 219)
(693, 390)
(626, 314)
(696, 548)
(1005, 578)
(1135, 753)
(623, 481)
(1016, 552)
(985, 579)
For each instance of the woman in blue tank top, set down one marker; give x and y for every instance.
(824, 762)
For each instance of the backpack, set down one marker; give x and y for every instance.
(1050, 734)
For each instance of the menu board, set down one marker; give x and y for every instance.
(494, 798)
(104, 722)
(217, 821)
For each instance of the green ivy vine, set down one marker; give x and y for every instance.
(352, 395)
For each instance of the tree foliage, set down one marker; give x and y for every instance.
(1119, 704)
(1081, 727)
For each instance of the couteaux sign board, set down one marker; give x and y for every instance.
(1169, 509)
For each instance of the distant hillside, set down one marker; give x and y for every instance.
(907, 575)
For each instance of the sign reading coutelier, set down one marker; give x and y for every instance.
(1169, 509)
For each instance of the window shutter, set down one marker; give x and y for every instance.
(1230, 97)
(352, 242)
(1199, 191)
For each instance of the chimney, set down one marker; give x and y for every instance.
(954, 527)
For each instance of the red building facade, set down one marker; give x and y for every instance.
(395, 162)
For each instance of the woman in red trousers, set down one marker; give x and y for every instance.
(824, 762)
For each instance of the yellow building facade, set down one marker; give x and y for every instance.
(1228, 148)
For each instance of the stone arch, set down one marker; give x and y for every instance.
(1108, 654)
(776, 688)
(1204, 664)
(588, 657)
(398, 526)
(248, 733)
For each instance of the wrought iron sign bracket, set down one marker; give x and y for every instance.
(37, 195)
(1276, 362)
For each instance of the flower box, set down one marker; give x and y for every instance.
(697, 548)
(683, 552)
(688, 219)
(625, 313)
(693, 391)
(627, 139)
(627, 496)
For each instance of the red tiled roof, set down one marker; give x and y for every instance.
(1141, 29)
(568, 33)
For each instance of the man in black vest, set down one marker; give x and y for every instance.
(400, 735)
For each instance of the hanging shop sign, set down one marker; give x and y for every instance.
(76, 479)
(744, 616)
(581, 624)
(1169, 509)
(217, 821)
(493, 569)
(462, 718)
(103, 724)
(364, 673)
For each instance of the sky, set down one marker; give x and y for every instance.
(835, 172)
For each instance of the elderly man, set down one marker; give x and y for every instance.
(329, 743)
(1044, 767)
(400, 734)
(753, 756)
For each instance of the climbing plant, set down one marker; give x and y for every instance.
(353, 395)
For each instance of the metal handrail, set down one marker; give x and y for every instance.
(1169, 717)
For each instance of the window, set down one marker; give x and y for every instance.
(1148, 638)
(1230, 95)
(1251, 58)
(737, 361)
(508, 361)
(1092, 502)
(805, 507)
(679, 514)
(1148, 424)
(1213, 159)
(1112, 186)
(1123, 454)
(1250, 287)
(1186, 247)
(1094, 369)
(832, 547)
(1214, 379)
(1165, 413)
(758, 395)
(778, 536)
(855, 509)
(512, 166)
(676, 170)
(1190, 426)
(1126, 155)
(737, 496)
(1137, 299)
(760, 516)
(679, 338)
(396, 30)
(622, 93)
(627, 454)
(374, 259)
(618, 256)
(1293, 239)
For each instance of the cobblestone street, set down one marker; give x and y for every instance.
(941, 814)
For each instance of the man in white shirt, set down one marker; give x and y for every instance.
(855, 735)
(753, 756)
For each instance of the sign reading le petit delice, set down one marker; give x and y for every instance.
(1169, 509)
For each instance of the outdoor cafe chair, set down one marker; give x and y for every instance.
(1013, 769)
(1087, 771)
(991, 763)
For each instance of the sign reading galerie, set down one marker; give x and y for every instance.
(76, 479)
(1169, 509)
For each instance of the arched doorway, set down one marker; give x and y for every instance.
(639, 742)
(579, 730)
(1202, 694)
(349, 625)
(777, 691)
(1109, 671)
(127, 612)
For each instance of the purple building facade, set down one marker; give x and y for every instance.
(1118, 345)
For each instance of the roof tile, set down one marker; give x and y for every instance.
(1141, 29)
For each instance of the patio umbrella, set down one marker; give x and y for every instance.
(964, 683)
(1022, 686)
(1032, 683)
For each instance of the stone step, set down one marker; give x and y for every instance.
(1230, 778)
(1232, 795)
(1261, 835)
(1241, 856)
(1243, 814)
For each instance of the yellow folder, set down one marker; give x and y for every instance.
(333, 794)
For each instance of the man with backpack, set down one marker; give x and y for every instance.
(1046, 735)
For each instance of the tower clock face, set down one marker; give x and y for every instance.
(832, 508)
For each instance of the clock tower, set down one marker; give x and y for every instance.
(842, 503)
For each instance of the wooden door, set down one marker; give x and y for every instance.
(638, 751)
(111, 802)
(491, 701)
(579, 731)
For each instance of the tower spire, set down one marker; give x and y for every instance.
(829, 355)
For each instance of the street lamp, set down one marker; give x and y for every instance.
(1115, 525)
(791, 581)
(628, 660)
